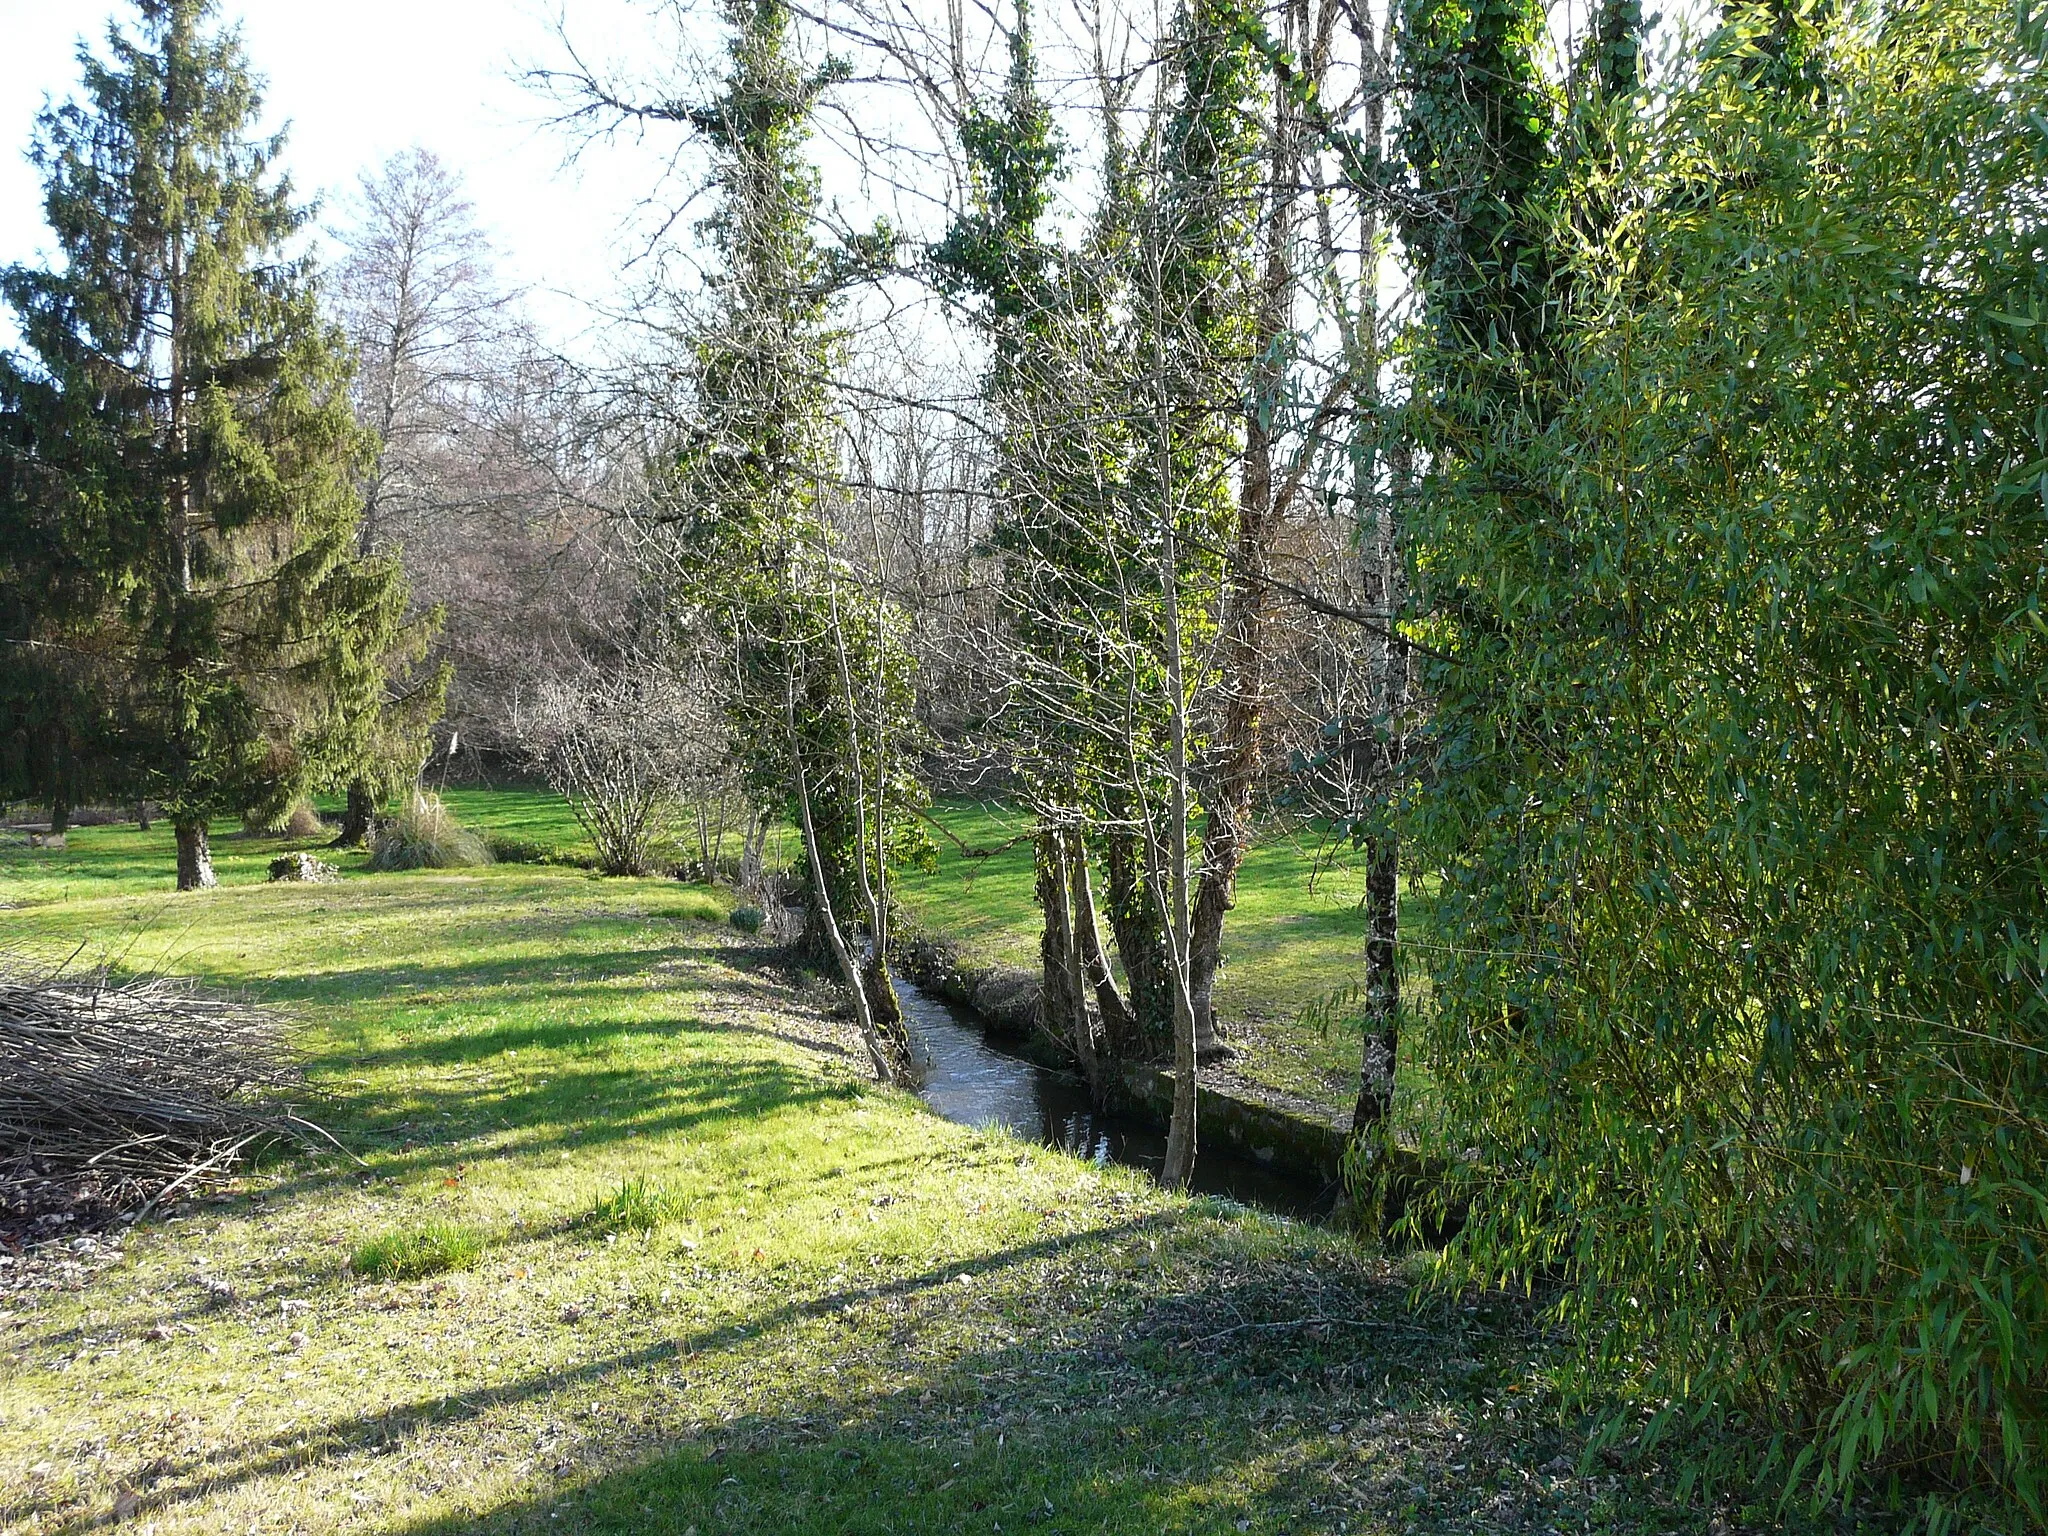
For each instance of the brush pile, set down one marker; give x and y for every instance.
(117, 1095)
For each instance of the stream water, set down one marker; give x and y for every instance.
(970, 1081)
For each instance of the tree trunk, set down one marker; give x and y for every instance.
(1382, 990)
(1119, 1025)
(888, 1047)
(195, 858)
(60, 785)
(1141, 945)
(753, 844)
(1179, 1169)
(142, 815)
(360, 811)
(883, 1002)
(1215, 894)
(1063, 997)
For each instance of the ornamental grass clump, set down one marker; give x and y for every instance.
(426, 835)
(636, 1205)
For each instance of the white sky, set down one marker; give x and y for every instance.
(361, 80)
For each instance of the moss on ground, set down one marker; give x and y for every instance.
(853, 1316)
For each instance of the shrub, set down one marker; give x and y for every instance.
(624, 746)
(413, 1253)
(1738, 793)
(748, 919)
(426, 835)
(635, 1206)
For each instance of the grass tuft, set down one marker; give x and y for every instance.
(413, 1253)
(426, 835)
(636, 1205)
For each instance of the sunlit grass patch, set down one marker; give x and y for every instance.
(414, 1253)
(635, 1205)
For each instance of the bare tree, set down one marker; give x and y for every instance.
(496, 467)
(627, 744)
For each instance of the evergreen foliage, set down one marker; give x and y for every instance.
(181, 454)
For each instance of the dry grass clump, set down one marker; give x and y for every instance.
(303, 822)
(142, 1088)
(426, 835)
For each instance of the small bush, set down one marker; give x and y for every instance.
(426, 835)
(413, 1253)
(635, 1206)
(748, 919)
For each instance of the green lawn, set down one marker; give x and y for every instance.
(715, 1281)
(1297, 935)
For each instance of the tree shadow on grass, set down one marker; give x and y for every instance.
(1135, 1376)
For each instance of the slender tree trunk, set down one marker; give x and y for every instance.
(1388, 673)
(142, 815)
(890, 1066)
(1141, 944)
(1173, 893)
(195, 857)
(888, 1048)
(1179, 1168)
(1063, 996)
(1119, 1025)
(1382, 990)
(753, 843)
(1071, 855)
(356, 817)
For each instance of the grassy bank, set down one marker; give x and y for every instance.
(824, 1310)
(1296, 935)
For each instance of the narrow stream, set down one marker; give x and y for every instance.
(970, 1081)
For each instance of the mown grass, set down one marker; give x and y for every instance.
(856, 1318)
(1296, 936)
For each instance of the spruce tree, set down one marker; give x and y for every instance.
(184, 432)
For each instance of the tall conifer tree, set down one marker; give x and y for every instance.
(185, 431)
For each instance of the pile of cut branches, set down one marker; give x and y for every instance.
(137, 1090)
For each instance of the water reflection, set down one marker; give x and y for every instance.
(971, 1082)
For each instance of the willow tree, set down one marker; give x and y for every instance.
(192, 438)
